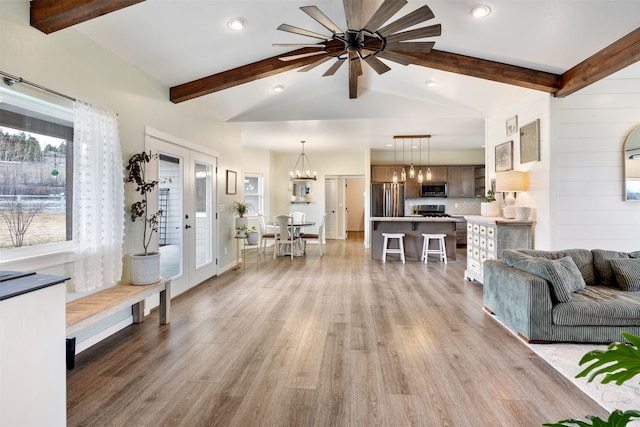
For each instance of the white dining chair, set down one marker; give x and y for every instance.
(312, 236)
(283, 237)
(298, 218)
(264, 236)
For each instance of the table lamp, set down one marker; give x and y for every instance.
(511, 182)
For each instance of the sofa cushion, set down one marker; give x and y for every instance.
(602, 265)
(627, 273)
(599, 306)
(583, 258)
(563, 274)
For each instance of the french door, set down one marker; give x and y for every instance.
(187, 232)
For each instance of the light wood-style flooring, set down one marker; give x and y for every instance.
(338, 340)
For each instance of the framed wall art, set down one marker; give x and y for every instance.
(504, 157)
(512, 125)
(231, 181)
(530, 142)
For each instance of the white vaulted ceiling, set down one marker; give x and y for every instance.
(178, 41)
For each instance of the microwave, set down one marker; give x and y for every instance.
(434, 189)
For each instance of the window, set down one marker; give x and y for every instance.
(253, 196)
(36, 140)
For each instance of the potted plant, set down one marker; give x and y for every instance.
(144, 266)
(250, 233)
(490, 207)
(240, 209)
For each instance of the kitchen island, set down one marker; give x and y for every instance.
(413, 227)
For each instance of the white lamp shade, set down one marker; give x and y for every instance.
(511, 181)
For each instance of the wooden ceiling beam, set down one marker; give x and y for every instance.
(488, 70)
(612, 58)
(49, 16)
(238, 76)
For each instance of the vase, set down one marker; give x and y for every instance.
(490, 209)
(523, 213)
(252, 238)
(144, 269)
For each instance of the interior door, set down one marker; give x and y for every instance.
(187, 231)
(330, 208)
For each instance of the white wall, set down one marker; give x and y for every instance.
(576, 190)
(591, 126)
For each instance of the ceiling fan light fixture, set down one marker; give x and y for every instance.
(480, 11)
(236, 24)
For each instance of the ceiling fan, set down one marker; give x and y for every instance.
(367, 42)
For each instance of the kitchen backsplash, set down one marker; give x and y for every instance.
(454, 206)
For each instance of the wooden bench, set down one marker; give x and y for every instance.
(89, 309)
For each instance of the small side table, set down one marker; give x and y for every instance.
(243, 251)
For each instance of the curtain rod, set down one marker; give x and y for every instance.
(10, 80)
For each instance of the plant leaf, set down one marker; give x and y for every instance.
(616, 419)
(619, 363)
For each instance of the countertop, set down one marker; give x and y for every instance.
(19, 283)
(417, 218)
(497, 220)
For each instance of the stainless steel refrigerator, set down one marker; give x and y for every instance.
(387, 199)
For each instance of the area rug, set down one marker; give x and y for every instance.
(565, 358)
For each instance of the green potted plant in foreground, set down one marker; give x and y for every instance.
(145, 266)
(619, 363)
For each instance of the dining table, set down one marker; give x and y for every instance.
(295, 229)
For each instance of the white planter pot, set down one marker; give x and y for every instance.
(252, 238)
(239, 223)
(490, 209)
(144, 269)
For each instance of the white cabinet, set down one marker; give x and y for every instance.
(487, 237)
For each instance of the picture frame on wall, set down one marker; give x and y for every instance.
(512, 125)
(530, 142)
(231, 181)
(504, 156)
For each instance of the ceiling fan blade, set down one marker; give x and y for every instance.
(298, 45)
(353, 12)
(302, 55)
(417, 16)
(322, 19)
(295, 30)
(377, 65)
(418, 33)
(332, 70)
(384, 12)
(314, 64)
(424, 47)
(355, 66)
(400, 58)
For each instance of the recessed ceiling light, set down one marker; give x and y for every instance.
(480, 11)
(278, 88)
(431, 83)
(237, 24)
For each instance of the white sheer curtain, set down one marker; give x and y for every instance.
(98, 197)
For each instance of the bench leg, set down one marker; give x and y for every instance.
(165, 304)
(137, 310)
(71, 353)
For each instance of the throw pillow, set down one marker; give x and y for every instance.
(602, 265)
(627, 272)
(563, 274)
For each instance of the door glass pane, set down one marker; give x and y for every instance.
(170, 201)
(203, 233)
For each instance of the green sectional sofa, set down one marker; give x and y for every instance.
(574, 295)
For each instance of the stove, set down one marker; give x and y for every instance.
(432, 211)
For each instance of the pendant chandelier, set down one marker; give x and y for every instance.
(403, 173)
(395, 172)
(302, 169)
(412, 173)
(420, 177)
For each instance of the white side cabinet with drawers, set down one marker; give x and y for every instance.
(488, 236)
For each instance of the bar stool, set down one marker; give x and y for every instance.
(399, 250)
(441, 250)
